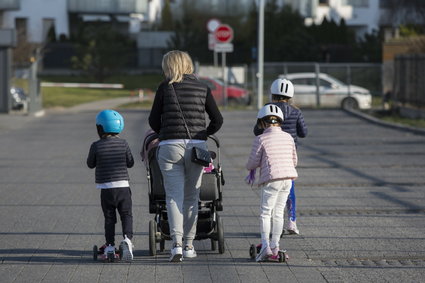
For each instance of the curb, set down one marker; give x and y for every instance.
(379, 122)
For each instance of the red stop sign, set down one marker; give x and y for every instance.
(223, 33)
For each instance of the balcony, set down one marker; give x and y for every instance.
(10, 4)
(108, 6)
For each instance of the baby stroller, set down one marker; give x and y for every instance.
(210, 225)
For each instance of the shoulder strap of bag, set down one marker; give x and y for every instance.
(184, 120)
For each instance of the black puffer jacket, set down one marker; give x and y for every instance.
(195, 100)
(293, 122)
(111, 156)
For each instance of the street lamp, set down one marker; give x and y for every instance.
(260, 53)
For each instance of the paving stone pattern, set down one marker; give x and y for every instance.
(360, 198)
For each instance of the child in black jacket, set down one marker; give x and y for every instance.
(111, 156)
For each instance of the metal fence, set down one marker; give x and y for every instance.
(366, 75)
(409, 80)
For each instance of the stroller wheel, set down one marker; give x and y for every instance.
(152, 238)
(120, 251)
(213, 245)
(220, 235)
(95, 252)
(161, 245)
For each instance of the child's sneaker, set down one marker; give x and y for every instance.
(176, 253)
(275, 250)
(275, 254)
(127, 249)
(292, 227)
(189, 252)
(264, 254)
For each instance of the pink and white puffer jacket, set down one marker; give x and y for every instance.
(275, 153)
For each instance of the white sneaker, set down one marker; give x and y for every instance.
(176, 253)
(189, 252)
(292, 227)
(127, 249)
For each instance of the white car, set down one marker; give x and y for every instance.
(333, 93)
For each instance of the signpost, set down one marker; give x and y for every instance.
(223, 35)
(211, 26)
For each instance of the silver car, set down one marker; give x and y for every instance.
(333, 93)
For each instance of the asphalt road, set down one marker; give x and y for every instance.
(360, 198)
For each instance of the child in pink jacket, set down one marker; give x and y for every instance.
(275, 154)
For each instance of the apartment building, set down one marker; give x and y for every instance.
(34, 18)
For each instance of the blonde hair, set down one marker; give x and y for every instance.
(175, 64)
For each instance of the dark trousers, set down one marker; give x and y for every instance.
(117, 199)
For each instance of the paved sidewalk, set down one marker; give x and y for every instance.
(360, 194)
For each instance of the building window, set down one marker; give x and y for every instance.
(49, 24)
(356, 3)
(21, 25)
(324, 2)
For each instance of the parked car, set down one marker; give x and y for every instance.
(333, 93)
(235, 94)
(19, 98)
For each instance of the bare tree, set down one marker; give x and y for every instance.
(24, 50)
(405, 11)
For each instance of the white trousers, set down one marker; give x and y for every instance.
(273, 201)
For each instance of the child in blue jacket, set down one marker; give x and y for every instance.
(282, 90)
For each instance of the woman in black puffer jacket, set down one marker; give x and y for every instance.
(181, 98)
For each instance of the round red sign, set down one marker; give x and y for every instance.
(223, 34)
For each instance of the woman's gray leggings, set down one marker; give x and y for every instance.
(182, 181)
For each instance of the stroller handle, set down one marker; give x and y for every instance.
(215, 139)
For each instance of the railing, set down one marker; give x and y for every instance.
(367, 75)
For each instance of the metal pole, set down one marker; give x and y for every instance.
(317, 69)
(5, 76)
(223, 63)
(348, 80)
(35, 102)
(215, 59)
(260, 54)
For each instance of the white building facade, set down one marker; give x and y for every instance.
(34, 18)
(363, 16)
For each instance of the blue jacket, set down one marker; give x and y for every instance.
(293, 122)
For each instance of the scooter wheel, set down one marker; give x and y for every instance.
(259, 248)
(252, 251)
(283, 257)
(111, 257)
(95, 252)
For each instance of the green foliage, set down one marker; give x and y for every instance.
(286, 37)
(101, 50)
(411, 30)
(51, 34)
(167, 22)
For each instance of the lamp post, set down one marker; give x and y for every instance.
(260, 53)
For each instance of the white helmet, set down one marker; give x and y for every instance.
(282, 87)
(270, 110)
